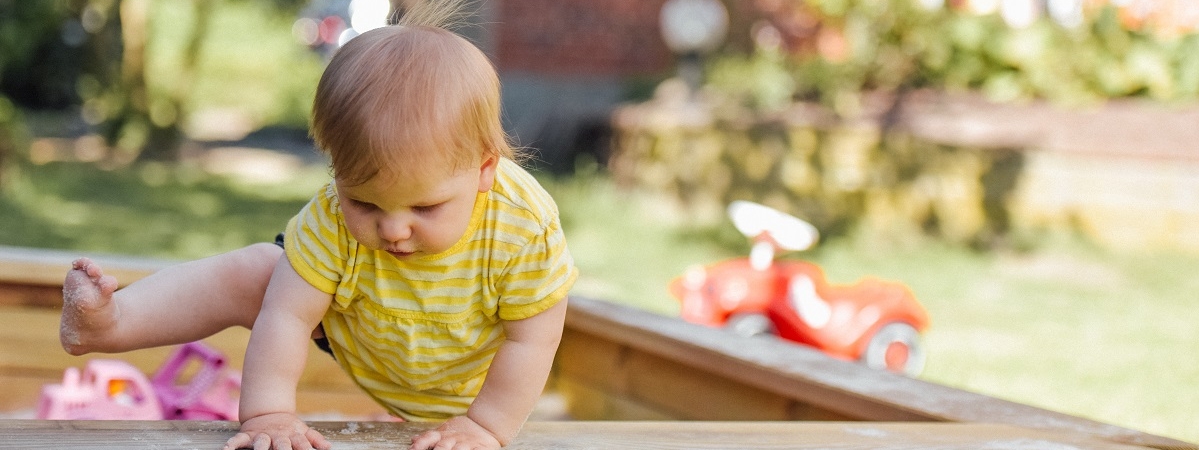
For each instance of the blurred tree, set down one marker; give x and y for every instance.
(147, 121)
(28, 30)
(92, 54)
(38, 53)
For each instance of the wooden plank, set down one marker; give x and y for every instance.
(587, 402)
(124, 435)
(46, 267)
(33, 276)
(22, 294)
(812, 378)
(595, 368)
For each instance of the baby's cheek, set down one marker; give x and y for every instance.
(359, 229)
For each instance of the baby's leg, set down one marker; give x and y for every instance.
(175, 305)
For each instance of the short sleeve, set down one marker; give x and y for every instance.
(539, 277)
(316, 244)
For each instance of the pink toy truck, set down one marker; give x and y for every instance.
(193, 384)
(107, 389)
(211, 393)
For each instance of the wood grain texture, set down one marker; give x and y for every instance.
(129, 435)
(43, 267)
(820, 387)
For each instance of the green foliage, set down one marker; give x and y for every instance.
(890, 45)
(61, 54)
(23, 25)
(32, 59)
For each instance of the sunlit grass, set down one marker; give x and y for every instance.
(147, 209)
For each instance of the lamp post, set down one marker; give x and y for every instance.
(692, 28)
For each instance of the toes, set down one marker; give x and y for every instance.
(83, 275)
(81, 263)
(108, 285)
(93, 271)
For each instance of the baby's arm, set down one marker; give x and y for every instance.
(274, 362)
(514, 383)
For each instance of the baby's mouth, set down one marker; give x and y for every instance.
(400, 254)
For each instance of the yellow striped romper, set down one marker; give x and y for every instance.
(418, 336)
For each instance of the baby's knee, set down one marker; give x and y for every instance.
(263, 253)
(252, 262)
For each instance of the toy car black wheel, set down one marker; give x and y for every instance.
(896, 347)
(750, 324)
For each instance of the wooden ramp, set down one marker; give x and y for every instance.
(127, 435)
(656, 377)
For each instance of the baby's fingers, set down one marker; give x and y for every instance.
(318, 441)
(426, 440)
(264, 441)
(243, 440)
(239, 440)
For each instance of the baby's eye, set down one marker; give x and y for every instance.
(426, 208)
(363, 205)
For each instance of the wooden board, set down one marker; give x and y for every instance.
(35, 266)
(615, 362)
(33, 277)
(128, 435)
(634, 361)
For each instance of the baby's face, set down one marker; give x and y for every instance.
(410, 217)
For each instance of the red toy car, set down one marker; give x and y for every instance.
(873, 321)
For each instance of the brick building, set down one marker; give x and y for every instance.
(565, 64)
(580, 37)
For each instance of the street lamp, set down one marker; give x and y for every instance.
(692, 28)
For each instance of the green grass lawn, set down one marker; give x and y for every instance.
(1065, 327)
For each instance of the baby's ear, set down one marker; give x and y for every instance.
(487, 172)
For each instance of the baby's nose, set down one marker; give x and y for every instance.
(395, 229)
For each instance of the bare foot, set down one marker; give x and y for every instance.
(88, 312)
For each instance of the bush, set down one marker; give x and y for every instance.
(867, 45)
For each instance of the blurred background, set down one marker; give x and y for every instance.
(1027, 167)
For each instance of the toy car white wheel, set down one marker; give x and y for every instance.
(750, 324)
(896, 347)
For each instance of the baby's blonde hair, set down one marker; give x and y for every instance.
(409, 98)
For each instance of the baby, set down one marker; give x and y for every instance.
(433, 268)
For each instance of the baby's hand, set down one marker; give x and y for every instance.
(459, 433)
(277, 431)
